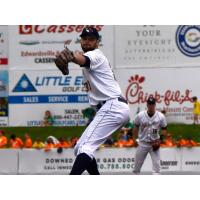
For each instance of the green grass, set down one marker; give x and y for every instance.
(176, 130)
(185, 131)
(44, 132)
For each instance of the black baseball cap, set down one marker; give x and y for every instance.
(90, 31)
(151, 101)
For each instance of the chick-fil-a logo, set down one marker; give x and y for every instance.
(135, 93)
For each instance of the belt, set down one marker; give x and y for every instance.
(121, 99)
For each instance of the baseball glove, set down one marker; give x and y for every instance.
(156, 145)
(63, 59)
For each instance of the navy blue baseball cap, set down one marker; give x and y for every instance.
(90, 31)
(151, 101)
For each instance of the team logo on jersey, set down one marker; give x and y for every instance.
(24, 85)
(188, 40)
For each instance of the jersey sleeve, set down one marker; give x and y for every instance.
(96, 59)
(163, 122)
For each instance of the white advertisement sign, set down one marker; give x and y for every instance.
(157, 46)
(191, 159)
(112, 160)
(109, 161)
(8, 161)
(172, 88)
(35, 46)
(34, 92)
(3, 46)
(41, 162)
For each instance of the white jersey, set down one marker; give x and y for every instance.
(99, 78)
(150, 126)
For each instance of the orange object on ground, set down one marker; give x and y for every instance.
(192, 143)
(124, 143)
(63, 144)
(130, 143)
(28, 143)
(16, 143)
(120, 143)
(49, 146)
(183, 142)
(168, 143)
(3, 141)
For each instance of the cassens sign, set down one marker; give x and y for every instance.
(39, 29)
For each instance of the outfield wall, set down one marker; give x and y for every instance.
(110, 160)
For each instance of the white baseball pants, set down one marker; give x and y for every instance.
(111, 116)
(141, 153)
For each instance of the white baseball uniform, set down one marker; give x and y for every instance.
(149, 128)
(103, 90)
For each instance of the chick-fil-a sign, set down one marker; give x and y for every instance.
(136, 95)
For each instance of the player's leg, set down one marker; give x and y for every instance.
(82, 163)
(83, 151)
(91, 144)
(141, 154)
(107, 120)
(93, 169)
(155, 157)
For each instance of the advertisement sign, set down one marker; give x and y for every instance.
(168, 86)
(157, 46)
(41, 162)
(9, 161)
(34, 92)
(35, 46)
(109, 161)
(3, 97)
(3, 46)
(191, 159)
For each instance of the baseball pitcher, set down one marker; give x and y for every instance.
(104, 95)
